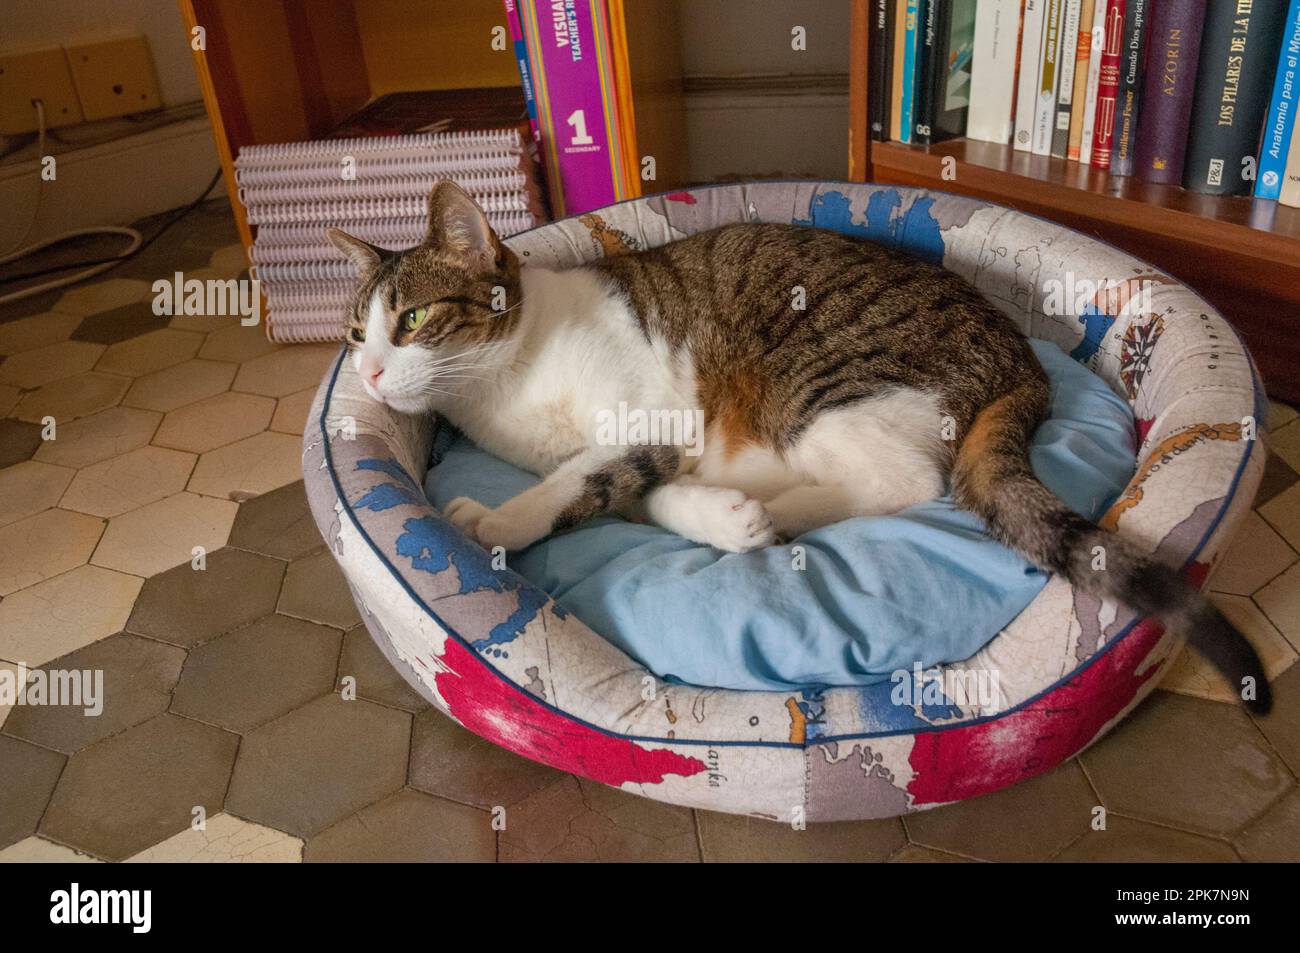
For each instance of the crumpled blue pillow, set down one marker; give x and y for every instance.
(847, 604)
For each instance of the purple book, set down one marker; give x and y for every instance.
(1173, 48)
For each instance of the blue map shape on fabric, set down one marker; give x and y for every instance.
(1095, 325)
(913, 230)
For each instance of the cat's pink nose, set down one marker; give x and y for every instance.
(371, 371)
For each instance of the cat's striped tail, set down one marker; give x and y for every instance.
(992, 477)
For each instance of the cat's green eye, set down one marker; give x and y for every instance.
(358, 334)
(412, 318)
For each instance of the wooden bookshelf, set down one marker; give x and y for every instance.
(1241, 254)
(292, 70)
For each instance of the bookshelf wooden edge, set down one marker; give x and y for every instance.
(1014, 188)
(860, 164)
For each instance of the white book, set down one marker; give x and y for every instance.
(1031, 45)
(993, 70)
(1094, 77)
(1067, 46)
(1049, 76)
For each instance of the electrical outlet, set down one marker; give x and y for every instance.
(43, 75)
(114, 77)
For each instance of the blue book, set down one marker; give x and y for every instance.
(1280, 123)
(911, 43)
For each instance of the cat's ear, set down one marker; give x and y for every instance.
(458, 225)
(362, 254)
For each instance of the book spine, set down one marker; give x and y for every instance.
(1108, 85)
(1128, 97)
(1079, 91)
(993, 70)
(1031, 45)
(878, 55)
(1291, 181)
(520, 46)
(1174, 50)
(923, 96)
(899, 28)
(957, 46)
(1096, 42)
(1279, 127)
(1068, 46)
(907, 106)
(1238, 52)
(1045, 109)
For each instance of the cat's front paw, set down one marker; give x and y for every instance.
(466, 514)
(489, 527)
(730, 520)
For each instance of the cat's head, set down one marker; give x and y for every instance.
(425, 322)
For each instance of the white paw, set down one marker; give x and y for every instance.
(489, 527)
(465, 514)
(728, 519)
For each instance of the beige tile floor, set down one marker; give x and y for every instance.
(228, 686)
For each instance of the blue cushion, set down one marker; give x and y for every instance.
(875, 595)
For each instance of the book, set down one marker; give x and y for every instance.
(1108, 85)
(1172, 56)
(1068, 46)
(1027, 85)
(896, 120)
(879, 52)
(519, 47)
(1128, 100)
(570, 60)
(1045, 108)
(1291, 181)
(1280, 120)
(1096, 42)
(1239, 48)
(911, 47)
(1079, 86)
(993, 70)
(949, 41)
(923, 80)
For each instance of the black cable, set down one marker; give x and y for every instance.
(180, 214)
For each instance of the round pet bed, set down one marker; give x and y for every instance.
(496, 654)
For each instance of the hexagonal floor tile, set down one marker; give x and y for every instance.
(1029, 821)
(1278, 478)
(69, 399)
(137, 680)
(29, 487)
(164, 534)
(8, 399)
(247, 677)
(229, 261)
(120, 324)
(45, 545)
(1274, 837)
(150, 352)
(1282, 726)
(1191, 674)
(62, 614)
(18, 441)
(187, 607)
(730, 839)
(8, 702)
(291, 412)
(1257, 554)
(37, 850)
(575, 820)
(1280, 600)
(141, 786)
(27, 334)
(237, 343)
(109, 433)
(1285, 442)
(407, 827)
(1146, 769)
(250, 467)
(911, 854)
(1282, 513)
(313, 767)
(314, 589)
(286, 371)
(278, 523)
(182, 384)
(128, 482)
(215, 422)
(449, 761)
(374, 678)
(103, 296)
(44, 365)
(1128, 841)
(28, 775)
(224, 840)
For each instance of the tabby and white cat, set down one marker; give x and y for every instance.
(811, 415)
